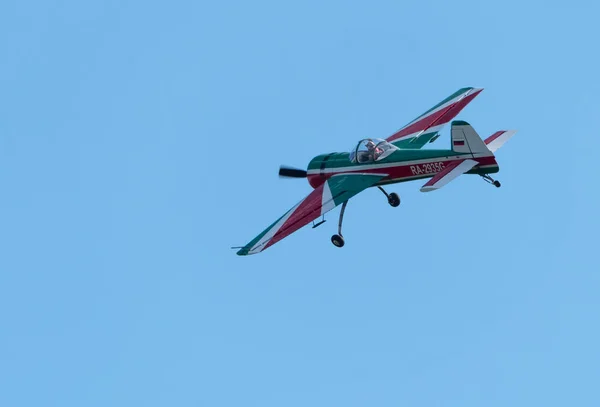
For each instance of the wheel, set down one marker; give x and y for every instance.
(337, 240)
(394, 199)
(497, 184)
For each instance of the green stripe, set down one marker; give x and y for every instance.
(487, 170)
(415, 142)
(460, 123)
(342, 159)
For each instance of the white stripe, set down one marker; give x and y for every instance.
(396, 164)
(327, 202)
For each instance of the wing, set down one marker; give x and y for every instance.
(336, 190)
(424, 128)
(448, 174)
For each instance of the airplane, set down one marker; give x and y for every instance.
(337, 177)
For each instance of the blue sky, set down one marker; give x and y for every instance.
(140, 140)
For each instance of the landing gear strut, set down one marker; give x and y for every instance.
(338, 240)
(491, 180)
(393, 198)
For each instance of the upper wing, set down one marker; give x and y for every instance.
(336, 190)
(424, 128)
(448, 174)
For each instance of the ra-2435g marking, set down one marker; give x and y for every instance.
(337, 177)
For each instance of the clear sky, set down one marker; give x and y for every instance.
(139, 140)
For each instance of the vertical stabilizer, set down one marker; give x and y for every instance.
(466, 140)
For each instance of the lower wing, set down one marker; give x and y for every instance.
(336, 190)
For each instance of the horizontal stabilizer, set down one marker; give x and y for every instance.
(448, 174)
(496, 140)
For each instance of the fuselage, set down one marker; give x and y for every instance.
(402, 165)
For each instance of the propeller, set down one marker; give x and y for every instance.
(290, 172)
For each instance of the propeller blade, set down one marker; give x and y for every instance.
(291, 172)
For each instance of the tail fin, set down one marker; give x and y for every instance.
(466, 140)
(496, 140)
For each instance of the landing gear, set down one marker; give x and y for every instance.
(338, 240)
(491, 180)
(393, 198)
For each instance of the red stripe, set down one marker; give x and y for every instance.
(440, 117)
(494, 136)
(316, 180)
(402, 170)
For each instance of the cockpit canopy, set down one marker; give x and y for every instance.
(371, 150)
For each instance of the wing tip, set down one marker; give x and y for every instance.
(469, 90)
(247, 251)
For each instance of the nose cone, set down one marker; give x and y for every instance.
(315, 168)
(316, 180)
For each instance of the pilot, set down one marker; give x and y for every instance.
(374, 151)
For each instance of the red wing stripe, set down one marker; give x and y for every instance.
(494, 136)
(307, 209)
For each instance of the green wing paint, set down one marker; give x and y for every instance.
(417, 142)
(345, 186)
